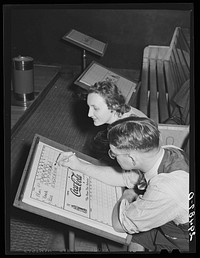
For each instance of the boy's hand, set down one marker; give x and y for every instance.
(129, 195)
(69, 159)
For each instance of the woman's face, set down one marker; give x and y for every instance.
(98, 110)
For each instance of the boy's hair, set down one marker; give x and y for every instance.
(136, 133)
(112, 95)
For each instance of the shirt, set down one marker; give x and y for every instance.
(165, 200)
(134, 112)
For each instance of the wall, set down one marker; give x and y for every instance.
(37, 32)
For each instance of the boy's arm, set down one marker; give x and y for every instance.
(130, 196)
(115, 218)
(109, 175)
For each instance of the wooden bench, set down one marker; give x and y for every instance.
(164, 70)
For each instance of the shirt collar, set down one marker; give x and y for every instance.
(154, 170)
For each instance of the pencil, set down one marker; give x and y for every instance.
(71, 155)
(57, 158)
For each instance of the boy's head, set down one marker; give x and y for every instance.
(134, 133)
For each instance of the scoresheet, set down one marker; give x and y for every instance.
(69, 193)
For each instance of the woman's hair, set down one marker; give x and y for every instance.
(112, 95)
(136, 133)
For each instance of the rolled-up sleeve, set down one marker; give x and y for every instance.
(156, 207)
(126, 223)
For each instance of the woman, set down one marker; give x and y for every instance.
(107, 105)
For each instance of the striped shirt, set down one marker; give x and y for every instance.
(165, 200)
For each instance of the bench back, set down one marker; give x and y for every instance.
(164, 70)
(179, 57)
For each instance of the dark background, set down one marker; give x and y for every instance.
(37, 31)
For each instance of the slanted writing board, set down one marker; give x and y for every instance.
(86, 42)
(96, 72)
(64, 195)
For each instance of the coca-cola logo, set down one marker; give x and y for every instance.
(77, 183)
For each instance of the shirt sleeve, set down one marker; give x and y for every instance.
(125, 223)
(137, 112)
(157, 206)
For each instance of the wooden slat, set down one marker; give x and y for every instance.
(162, 101)
(185, 62)
(175, 69)
(183, 55)
(153, 92)
(143, 102)
(184, 66)
(170, 83)
(185, 35)
(153, 52)
(162, 51)
(174, 37)
(180, 41)
(175, 74)
(179, 65)
(180, 55)
(146, 53)
(173, 42)
(133, 101)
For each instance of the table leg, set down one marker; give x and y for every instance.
(71, 241)
(84, 59)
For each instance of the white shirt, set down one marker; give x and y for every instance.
(165, 200)
(134, 111)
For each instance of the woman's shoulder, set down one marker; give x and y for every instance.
(136, 112)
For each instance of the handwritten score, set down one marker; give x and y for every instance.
(96, 73)
(66, 192)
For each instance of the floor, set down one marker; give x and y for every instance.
(84, 242)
